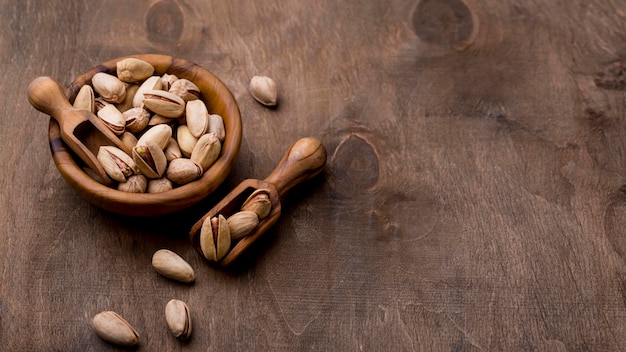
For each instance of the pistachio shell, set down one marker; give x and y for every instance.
(129, 139)
(216, 126)
(117, 164)
(150, 159)
(109, 87)
(186, 141)
(185, 89)
(134, 184)
(215, 238)
(172, 151)
(259, 202)
(178, 318)
(159, 134)
(136, 119)
(151, 83)
(197, 117)
(85, 99)
(167, 80)
(263, 89)
(131, 90)
(163, 103)
(172, 266)
(159, 185)
(112, 328)
(206, 151)
(133, 70)
(182, 171)
(157, 119)
(241, 224)
(112, 118)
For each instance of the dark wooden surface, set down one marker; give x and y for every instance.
(473, 198)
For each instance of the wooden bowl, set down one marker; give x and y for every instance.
(218, 99)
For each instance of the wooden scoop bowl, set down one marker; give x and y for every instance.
(81, 130)
(302, 161)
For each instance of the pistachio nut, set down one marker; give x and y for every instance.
(134, 184)
(172, 151)
(241, 224)
(182, 171)
(164, 103)
(186, 141)
(206, 151)
(136, 119)
(113, 119)
(197, 117)
(216, 126)
(117, 164)
(129, 139)
(263, 89)
(85, 99)
(178, 318)
(159, 185)
(159, 134)
(131, 90)
(150, 159)
(185, 89)
(133, 70)
(157, 119)
(215, 238)
(100, 103)
(151, 83)
(109, 87)
(172, 266)
(167, 80)
(259, 202)
(112, 328)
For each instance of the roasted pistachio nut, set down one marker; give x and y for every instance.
(159, 134)
(164, 103)
(182, 171)
(197, 117)
(150, 159)
(186, 141)
(178, 318)
(112, 328)
(85, 99)
(133, 70)
(259, 202)
(216, 126)
(241, 224)
(109, 87)
(136, 119)
(263, 89)
(131, 90)
(159, 185)
(112, 118)
(172, 151)
(129, 139)
(152, 83)
(167, 80)
(117, 164)
(157, 119)
(172, 266)
(215, 238)
(185, 89)
(134, 184)
(99, 103)
(206, 151)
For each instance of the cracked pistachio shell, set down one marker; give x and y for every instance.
(157, 119)
(172, 266)
(159, 185)
(129, 139)
(136, 119)
(182, 171)
(163, 103)
(109, 87)
(185, 89)
(215, 238)
(186, 141)
(112, 118)
(152, 83)
(134, 184)
(172, 151)
(178, 318)
(100, 103)
(131, 90)
(159, 134)
(167, 80)
(259, 202)
(85, 99)
(206, 151)
(197, 117)
(117, 164)
(150, 159)
(133, 70)
(241, 224)
(263, 89)
(111, 327)
(216, 126)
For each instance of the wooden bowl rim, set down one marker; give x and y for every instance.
(153, 204)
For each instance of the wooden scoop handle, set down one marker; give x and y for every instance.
(46, 95)
(303, 160)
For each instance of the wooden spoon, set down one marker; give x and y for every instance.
(303, 160)
(81, 130)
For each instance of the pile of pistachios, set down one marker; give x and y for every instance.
(173, 137)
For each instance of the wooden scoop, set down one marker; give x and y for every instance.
(303, 160)
(81, 130)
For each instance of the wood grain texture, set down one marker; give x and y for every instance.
(473, 198)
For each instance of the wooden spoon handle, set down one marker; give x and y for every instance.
(303, 160)
(46, 95)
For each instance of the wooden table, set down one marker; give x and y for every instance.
(473, 198)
